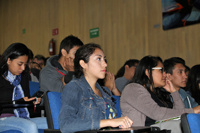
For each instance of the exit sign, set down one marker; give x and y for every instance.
(94, 32)
(55, 32)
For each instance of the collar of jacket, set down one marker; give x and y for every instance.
(98, 98)
(182, 93)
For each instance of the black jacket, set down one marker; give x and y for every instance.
(6, 91)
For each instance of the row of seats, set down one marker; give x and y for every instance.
(52, 102)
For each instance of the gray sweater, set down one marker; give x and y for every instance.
(50, 77)
(136, 103)
(121, 82)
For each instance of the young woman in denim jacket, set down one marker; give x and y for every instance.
(85, 105)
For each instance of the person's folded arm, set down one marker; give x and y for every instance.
(139, 98)
(177, 101)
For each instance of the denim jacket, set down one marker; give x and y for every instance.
(188, 101)
(81, 109)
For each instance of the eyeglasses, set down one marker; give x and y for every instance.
(159, 68)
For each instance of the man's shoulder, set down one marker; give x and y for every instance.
(183, 93)
(121, 79)
(47, 69)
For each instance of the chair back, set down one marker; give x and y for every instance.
(190, 123)
(52, 103)
(34, 87)
(117, 105)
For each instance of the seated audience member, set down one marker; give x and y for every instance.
(38, 62)
(83, 96)
(140, 100)
(33, 76)
(36, 71)
(37, 65)
(59, 69)
(15, 87)
(176, 72)
(125, 74)
(193, 83)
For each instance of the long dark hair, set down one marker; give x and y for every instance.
(83, 53)
(193, 82)
(13, 52)
(146, 63)
(140, 77)
(130, 63)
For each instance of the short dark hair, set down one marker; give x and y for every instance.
(171, 62)
(13, 52)
(146, 63)
(130, 63)
(40, 57)
(187, 68)
(68, 43)
(83, 53)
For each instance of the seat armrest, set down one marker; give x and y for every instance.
(184, 123)
(52, 131)
(14, 104)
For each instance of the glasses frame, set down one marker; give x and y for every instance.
(159, 68)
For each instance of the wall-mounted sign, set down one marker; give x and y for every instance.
(23, 31)
(94, 32)
(55, 32)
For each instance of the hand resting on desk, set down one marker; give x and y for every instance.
(122, 122)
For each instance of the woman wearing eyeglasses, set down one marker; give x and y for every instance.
(144, 101)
